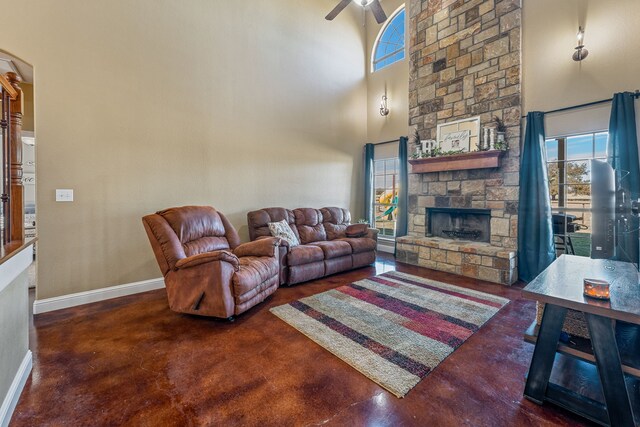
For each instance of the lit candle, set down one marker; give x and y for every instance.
(595, 288)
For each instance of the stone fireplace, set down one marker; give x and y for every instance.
(465, 62)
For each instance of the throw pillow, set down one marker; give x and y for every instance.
(357, 230)
(282, 230)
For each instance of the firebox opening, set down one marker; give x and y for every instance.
(459, 224)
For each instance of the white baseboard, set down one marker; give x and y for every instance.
(80, 298)
(386, 248)
(11, 399)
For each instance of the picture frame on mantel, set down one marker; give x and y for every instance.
(459, 135)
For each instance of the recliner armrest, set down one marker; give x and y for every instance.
(206, 257)
(372, 233)
(266, 246)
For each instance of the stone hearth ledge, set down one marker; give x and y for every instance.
(472, 259)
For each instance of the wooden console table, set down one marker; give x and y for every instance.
(560, 288)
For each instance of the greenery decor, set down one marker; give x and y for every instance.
(500, 126)
(437, 152)
(416, 137)
(501, 130)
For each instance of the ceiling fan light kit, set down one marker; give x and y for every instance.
(374, 5)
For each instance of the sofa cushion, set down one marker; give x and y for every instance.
(304, 254)
(360, 244)
(258, 221)
(335, 221)
(333, 248)
(309, 225)
(282, 230)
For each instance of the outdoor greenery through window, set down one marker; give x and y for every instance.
(569, 168)
(390, 45)
(385, 203)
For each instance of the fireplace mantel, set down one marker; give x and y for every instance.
(472, 160)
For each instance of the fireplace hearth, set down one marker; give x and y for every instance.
(459, 224)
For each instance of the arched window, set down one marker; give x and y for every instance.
(389, 47)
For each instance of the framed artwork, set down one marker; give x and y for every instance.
(460, 135)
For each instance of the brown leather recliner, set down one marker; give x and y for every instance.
(206, 270)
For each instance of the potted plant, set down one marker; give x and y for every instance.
(417, 145)
(501, 134)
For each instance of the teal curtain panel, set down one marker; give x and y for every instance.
(622, 155)
(403, 189)
(535, 233)
(368, 182)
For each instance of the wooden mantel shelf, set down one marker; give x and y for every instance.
(472, 160)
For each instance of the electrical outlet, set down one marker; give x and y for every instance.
(64, 195)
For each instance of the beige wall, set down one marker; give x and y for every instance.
(394, 78)
(551, 79)
(148, 104)
(27, 107)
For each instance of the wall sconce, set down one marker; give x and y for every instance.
(384, 110)
(580, 52)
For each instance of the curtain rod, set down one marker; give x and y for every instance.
(386, 142)
(588, 104)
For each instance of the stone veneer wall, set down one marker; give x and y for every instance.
(465, 62)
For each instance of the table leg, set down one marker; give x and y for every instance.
(605, 349)
(544, 353)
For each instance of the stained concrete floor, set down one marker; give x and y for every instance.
(131, 361)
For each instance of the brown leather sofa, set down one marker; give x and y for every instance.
(206, 270)
(324, 246)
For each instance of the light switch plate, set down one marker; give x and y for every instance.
(64, 195)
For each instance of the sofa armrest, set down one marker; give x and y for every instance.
(283, 243)
(356, 230)
(267, 246)
(206, 257)
(372, 233)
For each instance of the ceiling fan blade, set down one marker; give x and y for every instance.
(378, 12)
(336, 10)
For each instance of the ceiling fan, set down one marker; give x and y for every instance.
(374, 5)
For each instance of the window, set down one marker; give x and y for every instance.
(568, 165)
(389, 47)
(385, 203)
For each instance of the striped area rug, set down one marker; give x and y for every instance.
(394, 328)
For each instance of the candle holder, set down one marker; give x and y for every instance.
(598, 289)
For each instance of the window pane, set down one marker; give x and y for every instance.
(553, 192)
(578, 172)
(391, 166)
(390, 46)
(552, 149)
(378, 167)
(601, 144)
(573, 234)
(552, 170)
(578, 196)
(389, 186)
(379, 186)
(580, 147)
